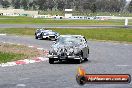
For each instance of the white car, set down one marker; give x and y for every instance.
(46, 34)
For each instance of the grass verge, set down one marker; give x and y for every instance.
(12, 52)
(5, 57)
(29, 20)
(114, 34)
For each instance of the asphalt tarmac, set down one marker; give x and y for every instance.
(105, 58)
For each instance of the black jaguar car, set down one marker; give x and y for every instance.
(69, 47)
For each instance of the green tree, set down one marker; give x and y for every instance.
(30, 5)
(61, 5)
(86, 6)
(34, 4)
(42, 4)
(51, 4)
(93, 8)
(5, 4)
(25, 4)
(16, 4)
(110, 5)
(68, 4)
(130, 7)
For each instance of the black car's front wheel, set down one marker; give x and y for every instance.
(86, 59)
(36, 37)
(78, 61)
(51, 60)
(81, 58)
(41, 36)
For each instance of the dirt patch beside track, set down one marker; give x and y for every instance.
(17, 52)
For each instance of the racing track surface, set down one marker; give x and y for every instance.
(59, 26)
(105, 57)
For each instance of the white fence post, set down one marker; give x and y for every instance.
(126, 22)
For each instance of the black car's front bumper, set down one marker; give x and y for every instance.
(50, 36)
(58, 57)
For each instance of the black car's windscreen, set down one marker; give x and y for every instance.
(67, 40)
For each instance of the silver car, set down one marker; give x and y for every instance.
(69, 47)
(46, 34)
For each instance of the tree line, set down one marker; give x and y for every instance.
(78, 5)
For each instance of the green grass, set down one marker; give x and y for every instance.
(29, 20)
(18, 31)
(114, 34)
(75, 13)
(102, 34)
(5, 57)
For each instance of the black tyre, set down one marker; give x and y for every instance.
(51, 60)
(78, 61)
(81, 58)
(60, 60)
(41, 36)
(88, 51)
(86, 59)
(36, 36)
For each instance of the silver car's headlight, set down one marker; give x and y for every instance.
(45, 34)
(57, 34)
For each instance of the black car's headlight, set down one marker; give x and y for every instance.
(71, 50)
(53, 51)
(76, 50)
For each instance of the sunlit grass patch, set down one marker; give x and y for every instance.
(114, 34)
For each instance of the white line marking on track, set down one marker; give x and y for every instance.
(26, 60)
(31, 61)
(122, 65)
(11, 43)
(115, 43)
(11, 63)
(20, 85)
(126, 44)
(18, 44)
(30, 46)
(4, 65)
(40, 48)
(16, 36)
(4, 42)
(43, 59)
(2, 34)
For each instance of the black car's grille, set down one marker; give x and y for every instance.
(63, 53)
(52, 36)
